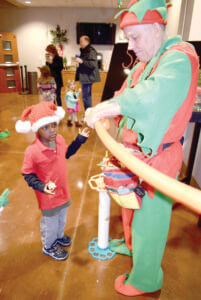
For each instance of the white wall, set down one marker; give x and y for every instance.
(195, 29)
(32, 27)
(173, 18)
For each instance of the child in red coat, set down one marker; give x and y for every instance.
(44, 169)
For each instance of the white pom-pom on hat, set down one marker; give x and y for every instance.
(60, 112)
(23, 126)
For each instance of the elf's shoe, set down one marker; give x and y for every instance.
(119, 246)
(126, 289)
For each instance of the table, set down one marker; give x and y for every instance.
(196, 118)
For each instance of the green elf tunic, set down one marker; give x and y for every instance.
(156, 104)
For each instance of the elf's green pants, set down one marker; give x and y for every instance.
(149, 231)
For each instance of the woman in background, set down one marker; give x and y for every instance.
(55, 63)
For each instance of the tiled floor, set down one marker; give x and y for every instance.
(26, 273)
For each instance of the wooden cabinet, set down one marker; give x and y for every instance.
(97, 87)
(9, 64)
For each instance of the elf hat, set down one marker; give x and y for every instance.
(39, 115)
(143, 12)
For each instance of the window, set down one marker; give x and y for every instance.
(8, 58)
(6, 45)
(11, 84)
(10, 72)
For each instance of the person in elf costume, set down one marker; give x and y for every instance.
(152, 110)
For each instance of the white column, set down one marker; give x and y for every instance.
(195, 28)
(103, 220)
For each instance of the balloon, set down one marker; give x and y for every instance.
(105, 123)
(183, 193)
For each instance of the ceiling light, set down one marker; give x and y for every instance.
(27, 2)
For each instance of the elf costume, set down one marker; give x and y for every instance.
(156, 103)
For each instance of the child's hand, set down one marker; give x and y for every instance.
(49, 188)
(79, 60)
(85, 132)
(79, 90)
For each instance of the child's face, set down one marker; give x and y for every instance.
(48, 132)
(72, 86)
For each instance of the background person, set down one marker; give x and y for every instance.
(46, 85)
(55, 63)
(72, 103)
(87, 72)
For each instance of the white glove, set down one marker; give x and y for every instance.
(101, 111)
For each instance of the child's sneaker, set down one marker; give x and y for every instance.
(69, 123)
(64, 241)
(78, 124)
(82, 119)
(56, 252)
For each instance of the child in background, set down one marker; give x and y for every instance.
(44, 169)
(72, 103)
(46, 85)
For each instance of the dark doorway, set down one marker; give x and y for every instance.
(116, 73)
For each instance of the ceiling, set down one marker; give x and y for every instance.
(65, 3)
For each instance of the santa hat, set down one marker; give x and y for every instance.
(143, 12)
(39, 115)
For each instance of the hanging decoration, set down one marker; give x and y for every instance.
(131, 61)
(58, 38)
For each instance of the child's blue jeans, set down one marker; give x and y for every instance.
(52, 228)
